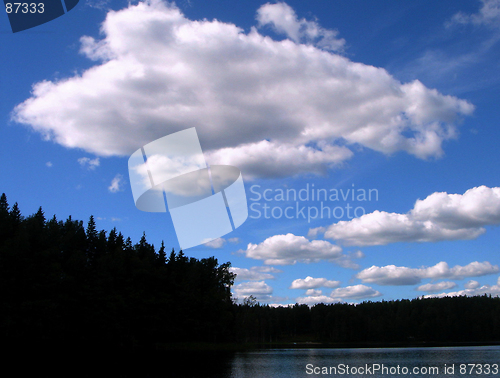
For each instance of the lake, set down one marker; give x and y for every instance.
(481, 361)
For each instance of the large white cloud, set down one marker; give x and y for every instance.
(440, 216)
(289, 249)
(158, 72)
(400, 275)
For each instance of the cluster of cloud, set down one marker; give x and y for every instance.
(337, 295)
(88, 163)
(289, 249)
(400, 275)
(488, 15)
(440, 216)
(255, 273)
(472, 289)
(253, 100)
(261, 291)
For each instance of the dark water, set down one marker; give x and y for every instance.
(276, 363)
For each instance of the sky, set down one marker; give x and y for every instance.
(366, 133)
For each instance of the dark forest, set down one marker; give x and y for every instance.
(65, 284)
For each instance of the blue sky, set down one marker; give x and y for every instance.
(400, 98)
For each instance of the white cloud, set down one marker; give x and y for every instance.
(440, 216)
(220, 242)
(49, 164)
(493, 290)
(400, 275)
(355, 292)
(116, 184)
(289, 249)
(312, 283)
(313, 292)
(216, 243)
(350, 292)
(259, 289)
(284, 20)
(488, 15)
(430, 288)
(272, 159)
(254, 101)
(98, 4)
(472, 284)
(255, 273)
(90, 164)
(314, 299)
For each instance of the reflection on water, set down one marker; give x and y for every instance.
(429, 362)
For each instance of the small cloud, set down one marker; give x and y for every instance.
(98, 4)
(215, 243)
(116, 184)
(49, 164)
(314, 292)
(90, 164)
(234, 240)
(313, 283)
(472, 284)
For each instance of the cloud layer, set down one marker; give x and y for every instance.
(255, 273)
(400, 275)
(440, 216)
(252, 99)
(493, 290)
(350, 292)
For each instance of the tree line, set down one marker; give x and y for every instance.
(65, 284)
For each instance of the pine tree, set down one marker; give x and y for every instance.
(4, 218)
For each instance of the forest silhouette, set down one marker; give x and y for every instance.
(63, 284)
